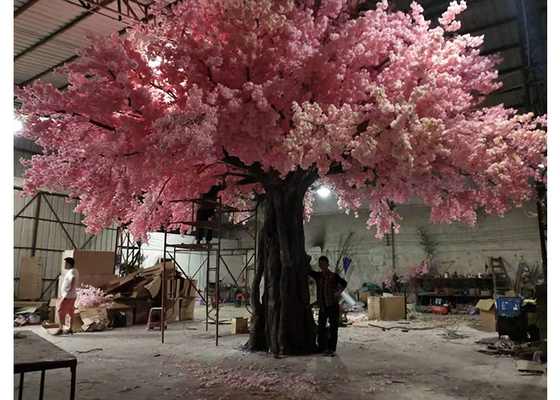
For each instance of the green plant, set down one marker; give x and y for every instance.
(128, 268)
(429, 245)
(345, 248)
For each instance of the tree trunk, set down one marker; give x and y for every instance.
(282, 317)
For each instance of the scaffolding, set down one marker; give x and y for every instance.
(128, 252)
(211, 296)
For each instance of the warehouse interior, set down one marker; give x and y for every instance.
(406, 332)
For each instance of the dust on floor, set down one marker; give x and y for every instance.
(401, 363)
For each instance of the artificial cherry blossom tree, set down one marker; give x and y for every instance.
(267, 98)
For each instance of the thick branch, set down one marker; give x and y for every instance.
(91, 121)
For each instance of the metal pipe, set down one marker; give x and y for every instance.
(163, 287)
(61, 224)
(218, 256)
(36, 226)
(208, 297)
(18, 215)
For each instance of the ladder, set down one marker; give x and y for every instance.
(499, 275)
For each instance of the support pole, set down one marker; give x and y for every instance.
(208, 296)
(542, 237)
(36, 225)
(163, 287)
(218, 256)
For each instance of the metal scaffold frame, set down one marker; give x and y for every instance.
(127, 251)
(212, 305)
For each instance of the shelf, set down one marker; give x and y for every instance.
(454, 295)
(457, 279)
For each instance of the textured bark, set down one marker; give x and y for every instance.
(282, 317)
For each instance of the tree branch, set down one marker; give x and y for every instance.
(91, 121)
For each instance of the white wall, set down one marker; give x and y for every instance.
(512, 237)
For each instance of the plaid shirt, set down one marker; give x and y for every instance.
(327, 285)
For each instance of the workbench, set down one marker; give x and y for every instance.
(33, 353)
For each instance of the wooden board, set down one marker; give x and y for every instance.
(90, 262)
(19, 304)
(33, 353)
(117, 283)
(30, 278)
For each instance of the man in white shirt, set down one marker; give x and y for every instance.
(69, 294)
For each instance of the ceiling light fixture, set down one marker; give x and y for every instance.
(324, 192)
(17, 126)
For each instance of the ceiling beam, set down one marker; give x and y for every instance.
(73, 58)
(59, 31)
(480, 28)
(45, 72)
(500, 49)
(24, 8)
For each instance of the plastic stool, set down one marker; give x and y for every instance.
(238, 300)
(154, 318)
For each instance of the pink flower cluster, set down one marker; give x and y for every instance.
(391, 280)
(420, 270)
(377, 103)
(90, 296)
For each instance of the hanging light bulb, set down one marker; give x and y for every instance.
(324, 192)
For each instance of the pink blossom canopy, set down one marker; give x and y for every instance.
(224, 92)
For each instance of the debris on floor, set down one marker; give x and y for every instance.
(452, 335)
(260, 381)
(355, 318)
(530, 367)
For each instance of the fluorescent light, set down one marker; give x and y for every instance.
(17, 125)
(324, 192)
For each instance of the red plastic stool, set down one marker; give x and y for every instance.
(154, 318)
(238, 300)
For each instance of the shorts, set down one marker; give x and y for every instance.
(66, 306)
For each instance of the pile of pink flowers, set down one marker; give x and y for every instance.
(90, 296)
(392, 280)
(420, 270)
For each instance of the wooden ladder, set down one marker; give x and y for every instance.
(499, 275)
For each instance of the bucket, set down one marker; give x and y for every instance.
(34, 319)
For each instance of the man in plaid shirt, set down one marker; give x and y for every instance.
(329, 288)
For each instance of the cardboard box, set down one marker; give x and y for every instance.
(183, 309)
(449, 291)
(186, 312)
(486, 293)
(91, 262)
(363, 296)
(190, 290)
(30, 278)
(488, 314)
(94, 319)
(386, 308)
(239, 325)
(474, 291)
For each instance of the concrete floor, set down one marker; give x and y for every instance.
(371, 363)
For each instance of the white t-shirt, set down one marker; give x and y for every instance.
(66, 283)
